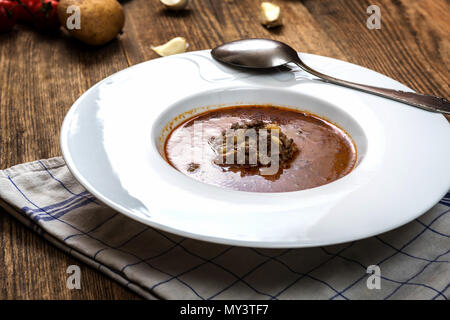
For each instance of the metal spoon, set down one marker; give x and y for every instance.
(265, 53)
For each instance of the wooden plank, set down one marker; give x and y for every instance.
(211, 22)
(412, 45)
(40, 78)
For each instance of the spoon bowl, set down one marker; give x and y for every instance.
(255, 53)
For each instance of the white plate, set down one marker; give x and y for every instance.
(112, 135)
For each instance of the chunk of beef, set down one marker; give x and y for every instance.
(246, 136)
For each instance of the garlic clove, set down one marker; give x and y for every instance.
(175, 4)
(270, 15)
(174, 46)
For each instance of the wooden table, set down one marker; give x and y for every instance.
(41, 76)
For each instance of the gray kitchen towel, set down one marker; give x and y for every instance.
(413, 260)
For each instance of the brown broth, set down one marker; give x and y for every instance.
(326, 152)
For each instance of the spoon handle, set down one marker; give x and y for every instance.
(419, 100)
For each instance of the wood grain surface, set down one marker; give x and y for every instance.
(42, 75)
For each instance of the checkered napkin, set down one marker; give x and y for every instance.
(414, 260)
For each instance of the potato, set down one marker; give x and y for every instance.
(100, 20)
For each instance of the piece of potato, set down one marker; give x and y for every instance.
(270, 15)
(275, 140)
(272, 126)
(175, 4)
(174, 46)
(101, 20)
